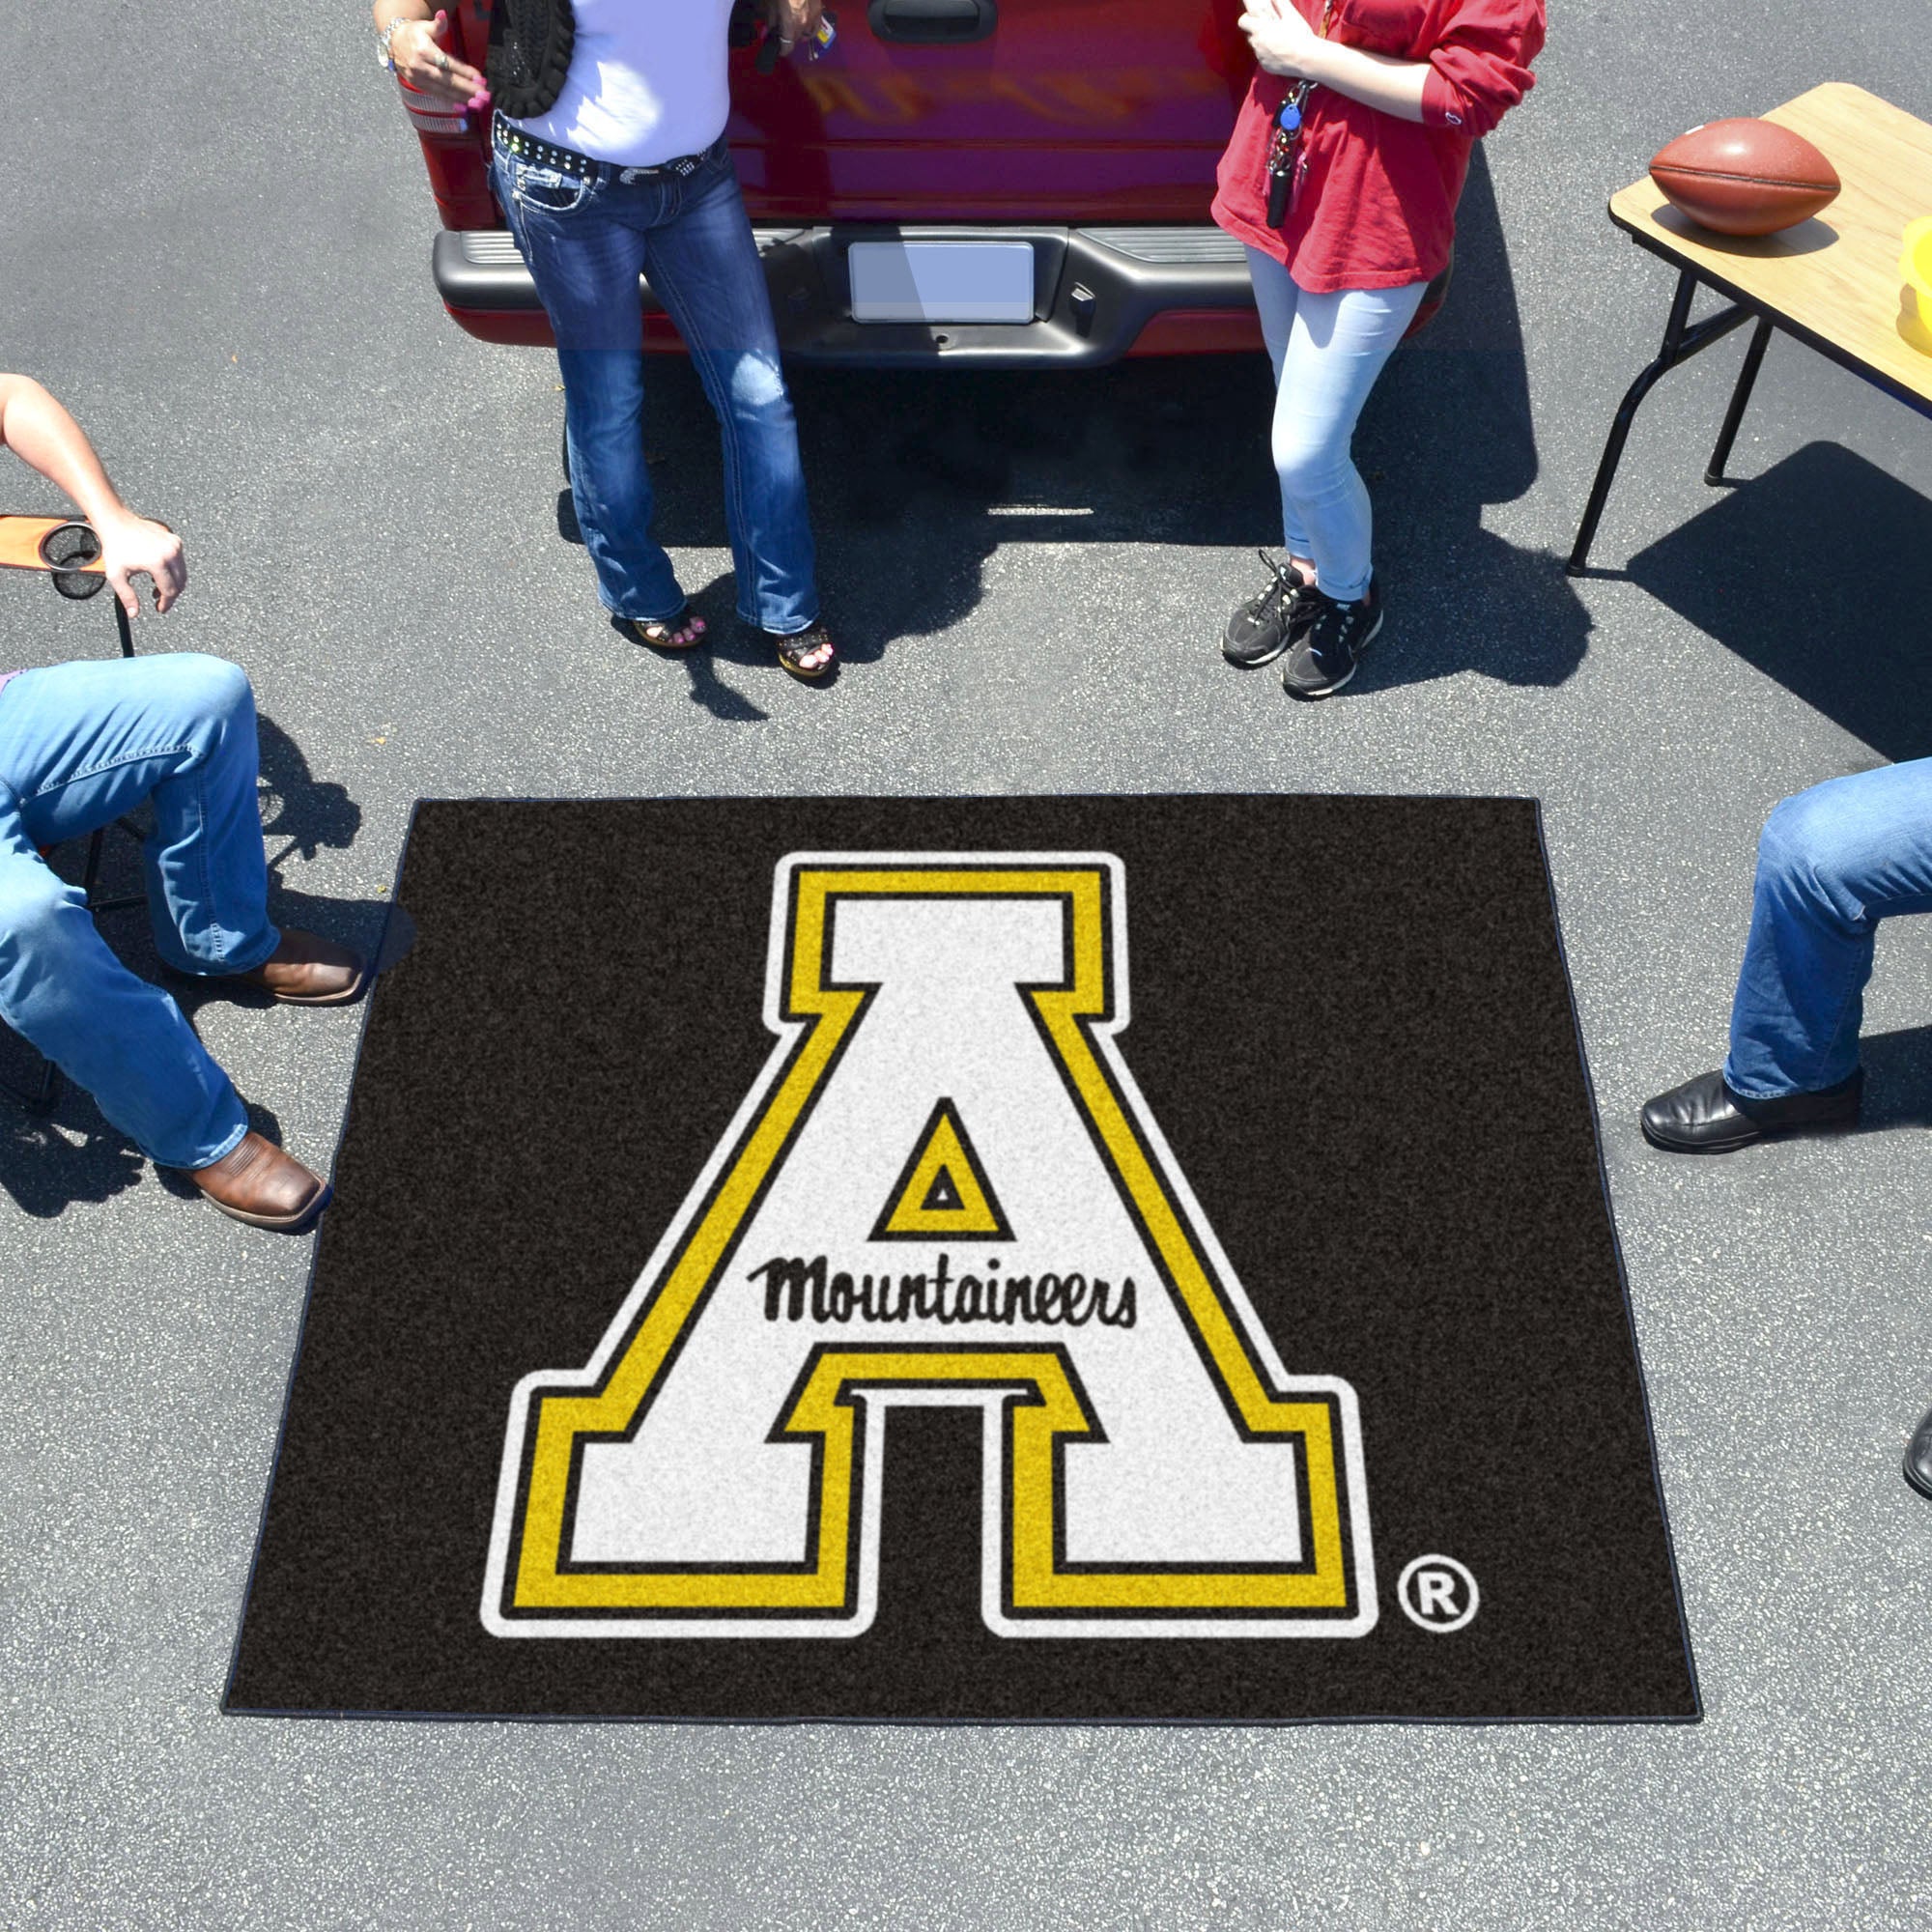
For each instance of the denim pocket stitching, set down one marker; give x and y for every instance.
(527, 176)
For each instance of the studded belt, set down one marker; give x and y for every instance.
(567, 161)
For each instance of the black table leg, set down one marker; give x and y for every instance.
(91, 873)
(1681, 341)
(1740, 397)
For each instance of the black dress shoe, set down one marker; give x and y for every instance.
(1703, 1116)
(1918, 1456)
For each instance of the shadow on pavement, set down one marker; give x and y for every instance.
(725, 638)
(1898, 1079)
(918, 476)
(1847, 636)
(1447, 432)
(307, 811)
(48, 1162)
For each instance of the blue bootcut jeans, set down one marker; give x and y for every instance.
(1832, 863)
(586, 243)
(80, 745)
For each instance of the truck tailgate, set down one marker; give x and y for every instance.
(1065, 111)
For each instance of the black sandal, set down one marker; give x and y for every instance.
(660, 632)
(798, 645)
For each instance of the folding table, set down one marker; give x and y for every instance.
(1833, 282)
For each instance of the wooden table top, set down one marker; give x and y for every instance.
(20, 539)
(1833, 279)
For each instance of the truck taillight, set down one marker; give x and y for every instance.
(429, 115)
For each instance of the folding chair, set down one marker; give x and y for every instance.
(68, 553)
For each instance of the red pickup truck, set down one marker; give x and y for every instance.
(1009, 183)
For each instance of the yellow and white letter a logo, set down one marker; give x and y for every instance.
(943, 1188)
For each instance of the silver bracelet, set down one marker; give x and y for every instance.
(387, 59)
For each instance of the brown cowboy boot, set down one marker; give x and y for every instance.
(257, 1182)
(306, 970)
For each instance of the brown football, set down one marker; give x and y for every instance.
(1745, 176)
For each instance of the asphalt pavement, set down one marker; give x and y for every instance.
(214, 245)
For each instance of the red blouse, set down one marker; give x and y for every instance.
(1373, 204)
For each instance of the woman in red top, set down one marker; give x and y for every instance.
(1342, 178)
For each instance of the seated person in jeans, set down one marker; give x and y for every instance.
(80, 745)
(1831, 864)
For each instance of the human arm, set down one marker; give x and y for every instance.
(42, 434)
(1285, 44)
(419, 46)
(1476, 71)
(794, 21)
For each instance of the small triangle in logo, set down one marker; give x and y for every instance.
(943, 1195)
(941, 1190)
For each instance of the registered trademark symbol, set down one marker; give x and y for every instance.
(1437, 1593)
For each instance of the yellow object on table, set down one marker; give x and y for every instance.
(1914, 269)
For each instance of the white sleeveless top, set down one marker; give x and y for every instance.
(646, 82)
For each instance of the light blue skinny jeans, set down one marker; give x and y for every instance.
(81, 744)
(1832, 863)
(586, 244)
(1328, 352)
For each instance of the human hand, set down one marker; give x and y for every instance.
(420, 52)
(794, 21)
(1284, 43)
(132, 547)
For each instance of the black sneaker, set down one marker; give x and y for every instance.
(1325, 655)
(1264, 626)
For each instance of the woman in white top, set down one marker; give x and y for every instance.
(610, 161)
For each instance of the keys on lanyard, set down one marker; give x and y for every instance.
(1287, 137)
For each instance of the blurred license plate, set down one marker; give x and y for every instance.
(941, 281)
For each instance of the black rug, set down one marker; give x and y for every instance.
(1102, 1259)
